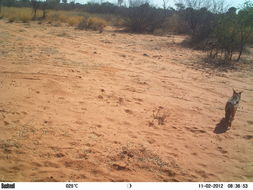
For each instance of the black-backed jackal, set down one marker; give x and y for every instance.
(231, 107)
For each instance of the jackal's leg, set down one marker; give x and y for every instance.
(227, 114)
(233, 114)
(227, 118)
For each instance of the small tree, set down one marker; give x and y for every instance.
(225, 35)
(199, 22)
(120, 2)
(48, 4)
(179, 6)
(245, 22)
(232, 33)
(142, 17)
(165, 4)
(52, 4)
(35, 4)
(1, 6)
(44, 7)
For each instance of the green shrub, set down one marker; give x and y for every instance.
(144, 18)
(232, 33)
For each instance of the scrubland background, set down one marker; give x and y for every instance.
(104, 92)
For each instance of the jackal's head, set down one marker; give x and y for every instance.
(237, 95)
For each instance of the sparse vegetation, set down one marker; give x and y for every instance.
(232, 33)
(210, 25)
(35, 6)
(76, 105)
(0, 6)
(14, 14)
(17, 14)
(160, 115)
(143, 18)
(92, 23)
(64, 17)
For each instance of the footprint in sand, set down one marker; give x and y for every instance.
(222, 150)
(82, 156)
(98, 126)
(59, 155)
(50, 164)
(47, 179)
(126, 123)
(120, 100)
(100, 97)
(138, 99)
(97, 134)
(79, 165)
(250, 122)
(120, 167)
(151, 140)
(195, 130)
(6, 123)
(248, 137)
(169, 172)
(128, 111)
(36, 164)
(24, 113)
(133, 136)
(202, 173)
(110, 119)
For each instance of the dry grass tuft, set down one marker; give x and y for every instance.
(92, 23)
(74, 20)
(81, 20)
(14, 14)
(64, 17)
(160, 115)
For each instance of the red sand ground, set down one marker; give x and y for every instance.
(78, 105)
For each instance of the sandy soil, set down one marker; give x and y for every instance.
(82, 106)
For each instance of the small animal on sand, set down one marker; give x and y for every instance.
(231, 107)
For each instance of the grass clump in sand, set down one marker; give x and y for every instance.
(92, 23)
(64, 17)
(81, 20)
(14, 14)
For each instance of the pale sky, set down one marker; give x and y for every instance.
(235, 3)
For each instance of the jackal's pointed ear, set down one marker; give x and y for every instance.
(234, 91)
(240, 92)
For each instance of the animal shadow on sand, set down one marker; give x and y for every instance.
(221, 127)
